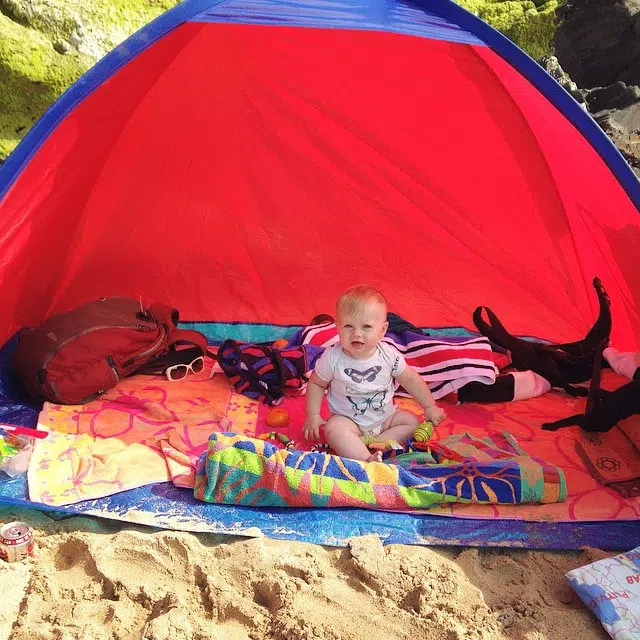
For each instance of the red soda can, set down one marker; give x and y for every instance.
(16, 542)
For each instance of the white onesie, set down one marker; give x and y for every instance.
(362, 390)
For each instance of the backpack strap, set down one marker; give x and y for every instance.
(164, 314)
(597, 416)
(177, 336)
(595, 392)
(244, 370)
(279, 366)
(169, 317)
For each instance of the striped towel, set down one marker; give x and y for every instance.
(444, 363)
(240, 470)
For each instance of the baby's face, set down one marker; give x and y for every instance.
(360, 332)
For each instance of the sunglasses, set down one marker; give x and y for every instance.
(181, 371)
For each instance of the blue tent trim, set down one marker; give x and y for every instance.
(394, 16)
(452, 15)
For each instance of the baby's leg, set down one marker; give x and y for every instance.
(400, 426)
(343, 437)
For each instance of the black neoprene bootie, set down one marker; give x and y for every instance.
(608, 408)
(562, 365)
(600, 331)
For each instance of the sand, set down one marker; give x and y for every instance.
(95, 579)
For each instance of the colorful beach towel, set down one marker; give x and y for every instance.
(247, 471)
(445, 363)
(146, 415)
(121, 440)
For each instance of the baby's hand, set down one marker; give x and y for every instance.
(436, 414)
(311, 428)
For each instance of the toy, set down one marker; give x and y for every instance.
(386, 445)
(423, 431)
(9, 447)
(24, 431)
(277, 417)
(280, 343)
(280, 437)
(322, 447)
(15, 451)
(380, 445)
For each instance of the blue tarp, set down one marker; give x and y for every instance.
(164, 505)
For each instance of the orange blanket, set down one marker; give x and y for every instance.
(149, 430)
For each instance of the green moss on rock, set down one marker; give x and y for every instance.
(32, 76)
(93, 27)
(33, 73)
(531, 25)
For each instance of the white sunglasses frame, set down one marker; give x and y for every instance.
(189, 369)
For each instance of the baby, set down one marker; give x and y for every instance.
(360, 373)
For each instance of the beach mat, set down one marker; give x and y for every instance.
(166, 506)
(592, 515)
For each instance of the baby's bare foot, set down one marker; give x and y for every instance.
(376, 456)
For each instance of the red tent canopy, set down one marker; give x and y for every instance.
(247, 172)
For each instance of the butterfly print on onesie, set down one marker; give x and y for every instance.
(360, 405)
(360, 376)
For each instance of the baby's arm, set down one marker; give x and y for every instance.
(417, 387)
(313, 420)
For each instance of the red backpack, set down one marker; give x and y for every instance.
(78, 355)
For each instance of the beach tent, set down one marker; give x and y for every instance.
(247, 161)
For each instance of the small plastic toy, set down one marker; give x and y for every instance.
(280, 343)
(423, 431)
(380, 445)
(23, 431)
(8, 448)
(321, 447)
(277, 417)
(14, 454)
(280, 437)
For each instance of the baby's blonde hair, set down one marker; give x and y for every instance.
(352, 301)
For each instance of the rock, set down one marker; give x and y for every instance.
(551, 64)
(616, 96)
(597, 42)
(623, 121)
(629, 147)
(616, 108)
(93, 27)
(32, 76)
(45, 45)
(530, 24)
(62, 46)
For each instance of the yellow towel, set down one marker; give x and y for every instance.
(115, 443)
